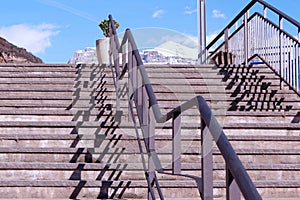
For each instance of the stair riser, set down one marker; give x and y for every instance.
(110, 174)
(132, 193)
(47, 192)
(128, 158)
(263, 175)
(34, 118)
(73, 89)
(128, 131)
(131, 174)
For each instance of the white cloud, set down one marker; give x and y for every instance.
(188, 10)
(34, 38)
(158, 14)
(218, 14)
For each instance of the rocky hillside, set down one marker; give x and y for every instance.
(10, 53)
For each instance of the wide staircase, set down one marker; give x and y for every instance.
(60, 138)
(132, 131)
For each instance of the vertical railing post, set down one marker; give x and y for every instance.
(151, 149)
(297, 63)
(123, 56)
(130, 78)
(114, 68)
(202, 31)
(281, 63)
(265, 11)
(176, 143)
(226, 32)
(298, 34)
(232, 189)
(206, 162)
(226, 49)
(246, 39)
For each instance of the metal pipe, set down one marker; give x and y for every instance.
(201, 31)
(234, 164)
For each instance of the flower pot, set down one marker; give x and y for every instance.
(102, 47)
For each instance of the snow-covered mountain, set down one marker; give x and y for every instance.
(168, 52)
(87, 56)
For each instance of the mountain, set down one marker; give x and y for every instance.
(87, 56)
(9, 53)
(171, 48)
(168, 52)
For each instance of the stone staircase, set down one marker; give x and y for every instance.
(59, 139)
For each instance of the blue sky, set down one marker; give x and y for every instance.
(54, 29)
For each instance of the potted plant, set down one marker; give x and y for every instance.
(102, 44)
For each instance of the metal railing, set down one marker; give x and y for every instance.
(147, 110)
(259, 36)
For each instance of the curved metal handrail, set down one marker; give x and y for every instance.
(242, 43)
(235, 166)
(242, 26)
(245, 10)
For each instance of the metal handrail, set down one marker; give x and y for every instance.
(242, 26)
(281, 14)
(285, 48)
(142, 92)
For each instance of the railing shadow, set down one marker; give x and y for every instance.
(95, 129)
(251, 90)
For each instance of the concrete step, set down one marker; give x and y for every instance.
(37, 75)
(31, 150)
(36, 65)
(294, 168)
(45, 88)
(26, 82)
(91, 171)
(123, 154)
(36, 96)
(35, 118)
(62, 69)
(87, 139)
(86, 189)
(36, 103)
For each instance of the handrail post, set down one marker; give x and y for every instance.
(281, 64)
(232, 189)
(142, 94)
(226, 33)
(246, 39)
(297, 63)
(151, 149)
(202, 31)
(176, 143)
(298, 34)
(130, 75)
(265, 11)
(114, 68)
(206, 162)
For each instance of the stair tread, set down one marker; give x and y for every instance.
(116, 166)
(70, 150)
(136, 183)
(195, 137)
(290, 126)
(52, 88)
